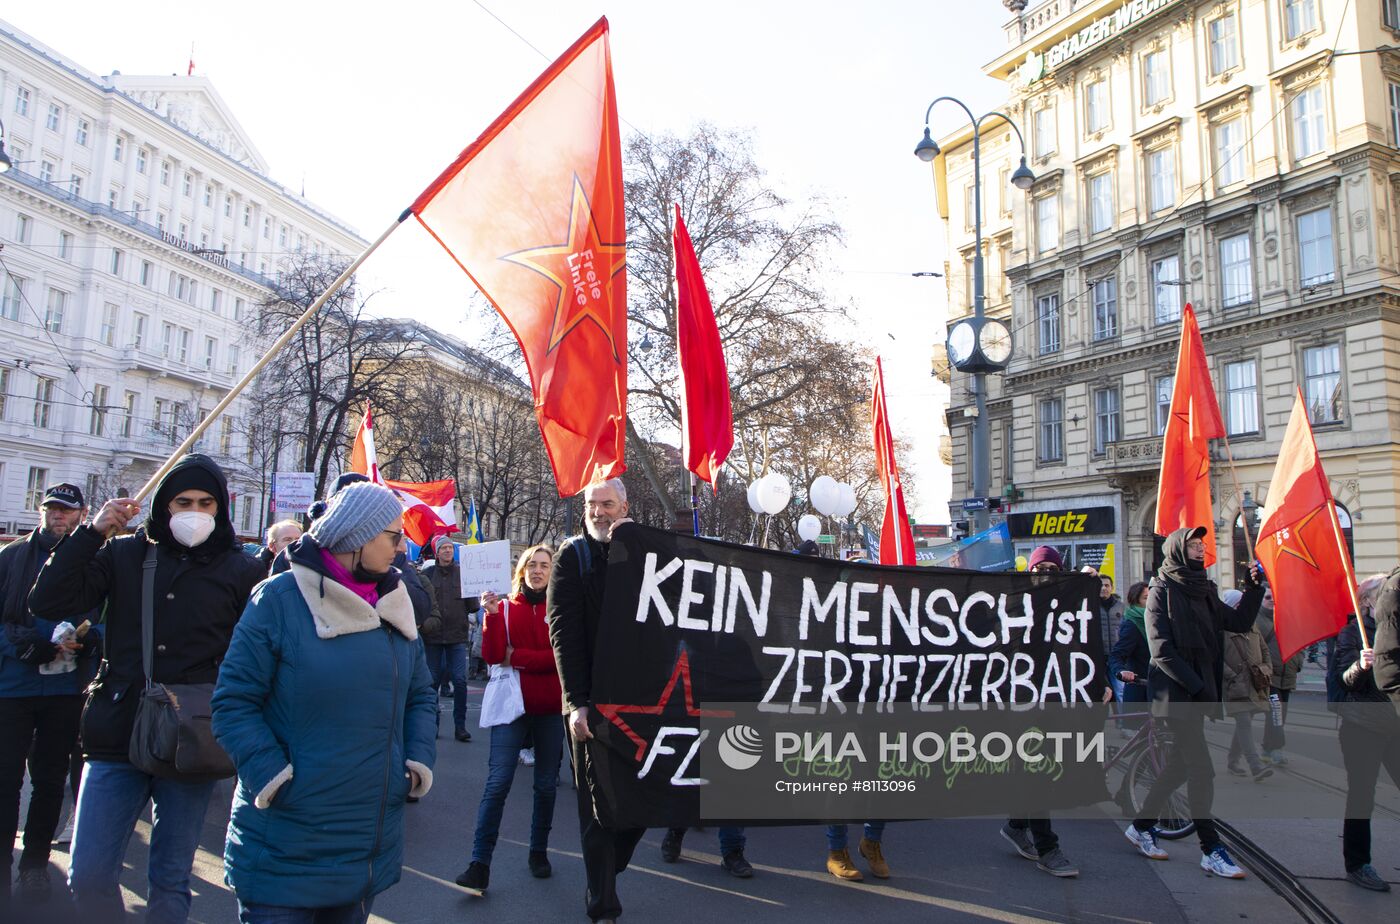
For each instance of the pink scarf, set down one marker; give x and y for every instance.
(368, 592)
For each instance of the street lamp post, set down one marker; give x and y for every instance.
(986, 349)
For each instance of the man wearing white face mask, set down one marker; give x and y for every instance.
(202, 581)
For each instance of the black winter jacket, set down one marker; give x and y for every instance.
(453, 628)
(574, 606)
(1362, 701)
(1387, 637)
(199, 595)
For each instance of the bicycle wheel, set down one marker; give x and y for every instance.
(1175, 820)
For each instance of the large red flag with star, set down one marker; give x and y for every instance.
(707, 423)
(896, 535)
(1300, 544)
(532, 211)
(1183, 485)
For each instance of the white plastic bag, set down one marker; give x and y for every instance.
(503, 702)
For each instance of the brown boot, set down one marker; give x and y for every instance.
(871, 851)
(838, 864)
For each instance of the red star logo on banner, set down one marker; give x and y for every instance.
(1290, 540)
(583, 268)
(1203, 468)
(680, 673)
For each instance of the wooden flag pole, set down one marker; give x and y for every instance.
(1351, 572)
(1234, 476)
(272, 351)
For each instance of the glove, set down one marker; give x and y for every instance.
(32, 647)
(432, 625)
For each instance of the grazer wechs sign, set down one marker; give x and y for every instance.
(1076, 521)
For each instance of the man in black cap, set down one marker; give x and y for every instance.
(202, 580)
(40, 696)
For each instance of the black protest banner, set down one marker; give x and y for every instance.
(692, 627)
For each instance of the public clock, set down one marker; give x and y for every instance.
(962, 341)
(994, 340)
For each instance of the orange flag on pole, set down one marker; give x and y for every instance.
(532, 211)
(1183, 486)
(896, 535)
(1300, 544)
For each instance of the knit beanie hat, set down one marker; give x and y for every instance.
(1046, 553)
(346, 480)
(355, 515)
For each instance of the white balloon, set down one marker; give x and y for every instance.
(774, 492)
(847, 506)
(825, 495)
(809, 527)
(754, 505)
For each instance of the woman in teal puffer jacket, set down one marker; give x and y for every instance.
(325, 704)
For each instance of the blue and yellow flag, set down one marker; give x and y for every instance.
(473, 524)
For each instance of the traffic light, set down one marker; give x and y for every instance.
(960, 529)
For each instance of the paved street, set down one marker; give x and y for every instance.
(943, 870)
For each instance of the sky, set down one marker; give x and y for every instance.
(366, 104)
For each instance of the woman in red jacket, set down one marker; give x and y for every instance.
(516, 635)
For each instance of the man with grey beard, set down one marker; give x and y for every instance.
(575, 606)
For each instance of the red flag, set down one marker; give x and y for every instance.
(363, 458)
(1183, 487)
(1300, 544)
(896, 535)
(707, 422)
(428, 508)
(532, 211)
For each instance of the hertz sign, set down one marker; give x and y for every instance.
(1082, 521)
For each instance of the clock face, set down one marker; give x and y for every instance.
(961, 340)
(996, 342)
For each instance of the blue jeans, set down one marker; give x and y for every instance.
(110, 801)
(357, 913)
(506, 741)
(836, 834)
(450, 662)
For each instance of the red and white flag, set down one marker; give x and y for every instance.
(363, 458)
(429, 507)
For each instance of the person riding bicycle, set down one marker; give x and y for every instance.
(1186, 622)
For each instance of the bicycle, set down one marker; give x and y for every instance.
(1131, 770)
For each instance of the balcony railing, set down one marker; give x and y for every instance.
(1133, 455)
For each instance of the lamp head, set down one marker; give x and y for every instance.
(5, 162)
(927, 149)
(1023, 178)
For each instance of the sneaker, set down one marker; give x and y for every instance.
(476, 878)
(1057, 864)
(463, 735)
(838, 864)
(1263, 773)
(1278, 759)
(1367, 877)
(1237, 770)
(527, 757)
(1145, 842)
(671, 844)
(1218, 863)
(66, 835)
(1020, 838)
(33, 886)
(873, 856)
(735, 865)
(539, 865)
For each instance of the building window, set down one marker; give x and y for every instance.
(81, 135)
(1156, 83)
(1052, 430)
(1044, 130)
(247, 216)
(109, 324)
(34, 489)
(1229, 152)
(1100, 203)
(1315, 263)
(22, 101)
(1309, 122)
(13, 298)
(1236, 272)
(148, 272)
(46, 171)
(282, 237)
(117, 258)
(1096, 106)
(138, 330)
(1393, 93)
(188, 186)
(1390, 14)
(211, 348)
(1105, 292)
(1108, 418)
(1322, 383)
(228, 206)
(233, 359)
(128, 412)
(165, 173)
(1242, 397)
(1047, 313)
(1047, 222)
(43, 401)
(113, 195)
(160, 221)
(53, 312)
(185, 336)
(75, 186)
(97, 425)
(1299, 17)
(167, 339)
(118, 148)
(216, 300)
(1166, 290)
(4, 391)
(1163, 391)
(141, 161)
(1161, 174)
(1224, 53)
(22, 225)
(52, 121)
(267, 229)
(238, 309)
(65, 245)
(226, 436)
(209, 194)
